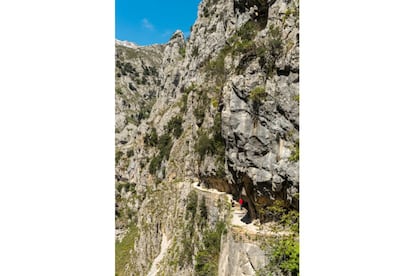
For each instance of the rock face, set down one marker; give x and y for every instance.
(240, 258)
(221, 108)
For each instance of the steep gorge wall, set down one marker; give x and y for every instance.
(222, 108)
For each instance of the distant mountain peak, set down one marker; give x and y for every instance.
(126, 43)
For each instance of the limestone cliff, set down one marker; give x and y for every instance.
(220, 109)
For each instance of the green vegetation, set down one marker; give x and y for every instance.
(258, 94)
(145, 110)
(199, 111)
(280, 212)
(216, 68)
(122, 250)
(130, 53)
(273, 51)
(174, 126)
(164, 146)
(199, 114)
(151, 139)
(155, 164)
(290, 11)
(214, 102)
(248, 30)
(245, 46)
(294, 157)
(150, 71)
(283, 254)
(192, 201)
(127, 186)
(296, 98)
(194, 52)
(207, 257)
(214, 145)
(273, 212)
(186, 255)
(244, 39)
(203, 212)
(125, 68)
(183, 101)
(204, 145)
(132, 120)
(219, 146)
(181, 51)
(118, 156)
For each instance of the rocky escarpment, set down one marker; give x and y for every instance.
(221, 108)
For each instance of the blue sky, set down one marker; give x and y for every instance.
(146, 22)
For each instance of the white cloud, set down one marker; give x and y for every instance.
(147, 25)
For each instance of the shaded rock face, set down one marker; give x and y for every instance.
(240, 258)
(221, 108)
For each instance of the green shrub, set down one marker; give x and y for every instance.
(257, 95)
(296, 98)
(207, 258)
(214, 103)
(204, 145)
(192, 201)
(151, 139)
(199, 111)
(182, 51)
(275, 211)
(214, 145)
(174, 126)
(123, 248)
(275, 45)
(118, 155)
(294, 157)
(285, 255)
(143, 113)
(155, 164)
(183, 103)
(203, 212)
(245, 46)
(132, 120)
(191, 87)
(215, 68)
(199, 114)
(165, 145)
(248, 30)
(194, 52)
(130, 153)
(291, 220)
(279, 211)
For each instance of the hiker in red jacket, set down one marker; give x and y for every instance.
(241, 203)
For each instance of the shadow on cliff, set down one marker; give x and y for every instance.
(247, 217)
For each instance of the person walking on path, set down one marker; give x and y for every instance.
(241, 203)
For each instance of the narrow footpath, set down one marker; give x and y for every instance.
(253, 228)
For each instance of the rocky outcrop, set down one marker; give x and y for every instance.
(221, 108)
(240, 257)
